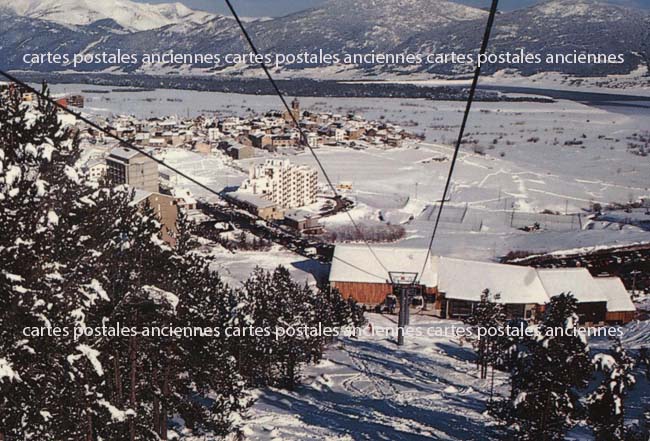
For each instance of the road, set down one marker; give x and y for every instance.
(273, 231)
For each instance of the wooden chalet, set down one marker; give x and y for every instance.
(452, 287)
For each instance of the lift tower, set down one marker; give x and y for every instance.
(404, 288)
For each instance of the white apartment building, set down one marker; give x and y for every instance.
(313, 140)
(96, 169)
(214, 134)
(286, 184)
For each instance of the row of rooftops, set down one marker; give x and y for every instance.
(178, 131)
(461, 279)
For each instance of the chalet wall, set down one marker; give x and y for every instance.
(620, 317)
(370, 294)
(592, 312)
(458, 309)
(366, 293)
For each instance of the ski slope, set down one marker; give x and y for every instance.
(369, 389)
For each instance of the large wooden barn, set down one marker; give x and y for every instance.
(452, 287)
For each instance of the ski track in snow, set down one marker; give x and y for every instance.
(369, 389)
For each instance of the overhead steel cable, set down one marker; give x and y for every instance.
(461, 133)
(303, 135)
(129, 144)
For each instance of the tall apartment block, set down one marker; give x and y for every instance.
(286, 184)
(128, 166)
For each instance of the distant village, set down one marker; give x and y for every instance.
(276, 189)
(239, 137)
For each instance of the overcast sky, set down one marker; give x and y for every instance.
(275, 8)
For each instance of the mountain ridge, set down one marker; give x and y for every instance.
(128, 14)
(342, 26)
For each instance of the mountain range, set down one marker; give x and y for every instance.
(337, 26)
(131, 16)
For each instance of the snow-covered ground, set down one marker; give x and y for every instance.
(235, 268)
(214, 171)
(635, 83)
(520, 158)
(368, 388)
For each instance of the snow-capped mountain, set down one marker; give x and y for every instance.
(338, 26)
(553, 27)
(130, 15)
(361, 25)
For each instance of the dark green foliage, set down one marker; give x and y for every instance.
(606, 403)
(486, 316)
(548, 370)
(76, 255)
(294, 316)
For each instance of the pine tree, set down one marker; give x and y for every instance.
(606, 403)
(77, 256)
(275, 302)
(184, 231)
(550, 366)
(204, 300)
(486, 316)
(44, 271)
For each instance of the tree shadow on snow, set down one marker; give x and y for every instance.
(460, 353)
(366, 418)
(417, 373)
(319, 270)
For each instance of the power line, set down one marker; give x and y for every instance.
(129, 144)
(461, 133)
(303, 135)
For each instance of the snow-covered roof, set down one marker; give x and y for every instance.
(466, 280)
(461, 279)
(577, 281)
(618, 299)
(123, 153)
(140, 195)
(356, 263)
(94, 162)
(298, 215)
(184, 194)
(252, 199)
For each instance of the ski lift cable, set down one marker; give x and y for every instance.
(130, 145)
(461, 133)
(303, 135)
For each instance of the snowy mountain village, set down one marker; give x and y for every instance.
(327, 220)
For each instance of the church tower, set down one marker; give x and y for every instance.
(295, 108)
